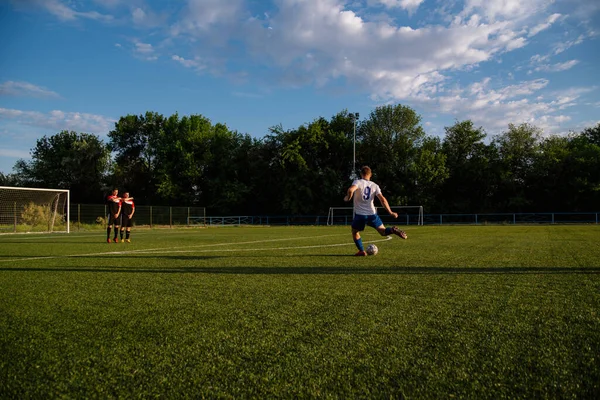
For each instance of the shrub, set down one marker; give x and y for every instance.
(36, 214)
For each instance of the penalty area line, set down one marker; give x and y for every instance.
(265, 249)
(173, 249)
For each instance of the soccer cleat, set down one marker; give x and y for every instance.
(108, 240)
(400, 233)
(361, 253)
(128, 241)
(116, 240)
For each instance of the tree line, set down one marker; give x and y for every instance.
(189, 161)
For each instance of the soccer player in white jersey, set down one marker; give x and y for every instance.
(364, 192)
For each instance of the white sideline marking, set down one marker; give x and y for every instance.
(171, 249)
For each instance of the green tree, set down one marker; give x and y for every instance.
(227, 179)
(299, 165)
(8, 179)
(67, 160)
(390, 141)
(551, 185)
(133, 140)
(309, 166)
(431, 172)
(517, 151)
(179, 151)
(592, 135)
(470, 182)
(583, 172)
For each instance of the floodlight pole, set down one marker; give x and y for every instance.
(354, 117)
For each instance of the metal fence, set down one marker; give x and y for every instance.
(84, 216)
(413, 219)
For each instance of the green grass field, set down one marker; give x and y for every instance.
(287, 312)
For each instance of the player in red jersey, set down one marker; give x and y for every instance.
(127, 211)
(113, 201)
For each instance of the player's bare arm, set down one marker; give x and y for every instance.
(350, 192)
(386, 205)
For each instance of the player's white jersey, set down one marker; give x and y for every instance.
(364, 196)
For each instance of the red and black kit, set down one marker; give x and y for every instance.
(114, 205)
(127, 209)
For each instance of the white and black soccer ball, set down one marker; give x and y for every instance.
(372, 250)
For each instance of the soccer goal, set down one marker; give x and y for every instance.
(34, 210)
(409, 215)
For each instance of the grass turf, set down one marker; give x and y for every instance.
(472, 312)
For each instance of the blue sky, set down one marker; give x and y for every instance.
(252, 64)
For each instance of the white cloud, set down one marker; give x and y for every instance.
(494, 10)
(409, 5)
(201, 15)
(196, 63)
(318, 42)
(12, 88)
(563, 46)
(145, 51)
(584, 10)
(60, 120)
(138, 15)
(325, 41)
(543, 26)
(538, 59)
(146, 18)
(557, 67)
(494, 108)
(66, 13)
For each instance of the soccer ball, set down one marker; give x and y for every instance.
(372, 249)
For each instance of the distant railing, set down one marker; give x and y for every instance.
(410, 219)
(513, 218)
(84, 216)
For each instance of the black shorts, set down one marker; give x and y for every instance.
(112, 220)
(126, 222)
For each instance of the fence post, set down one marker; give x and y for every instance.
(150, 216)
(78, 217)
(441, 219)
(514, 219)
(476, 219)
(170, 217)
(552, 217)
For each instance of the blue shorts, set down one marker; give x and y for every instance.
(359, 222)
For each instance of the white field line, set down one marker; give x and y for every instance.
(189, 249)
(60, 235)
(263, 249)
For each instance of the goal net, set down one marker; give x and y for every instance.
(33, 210)
(409, 215)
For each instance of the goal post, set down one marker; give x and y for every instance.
(34, 210)
(344, 215)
